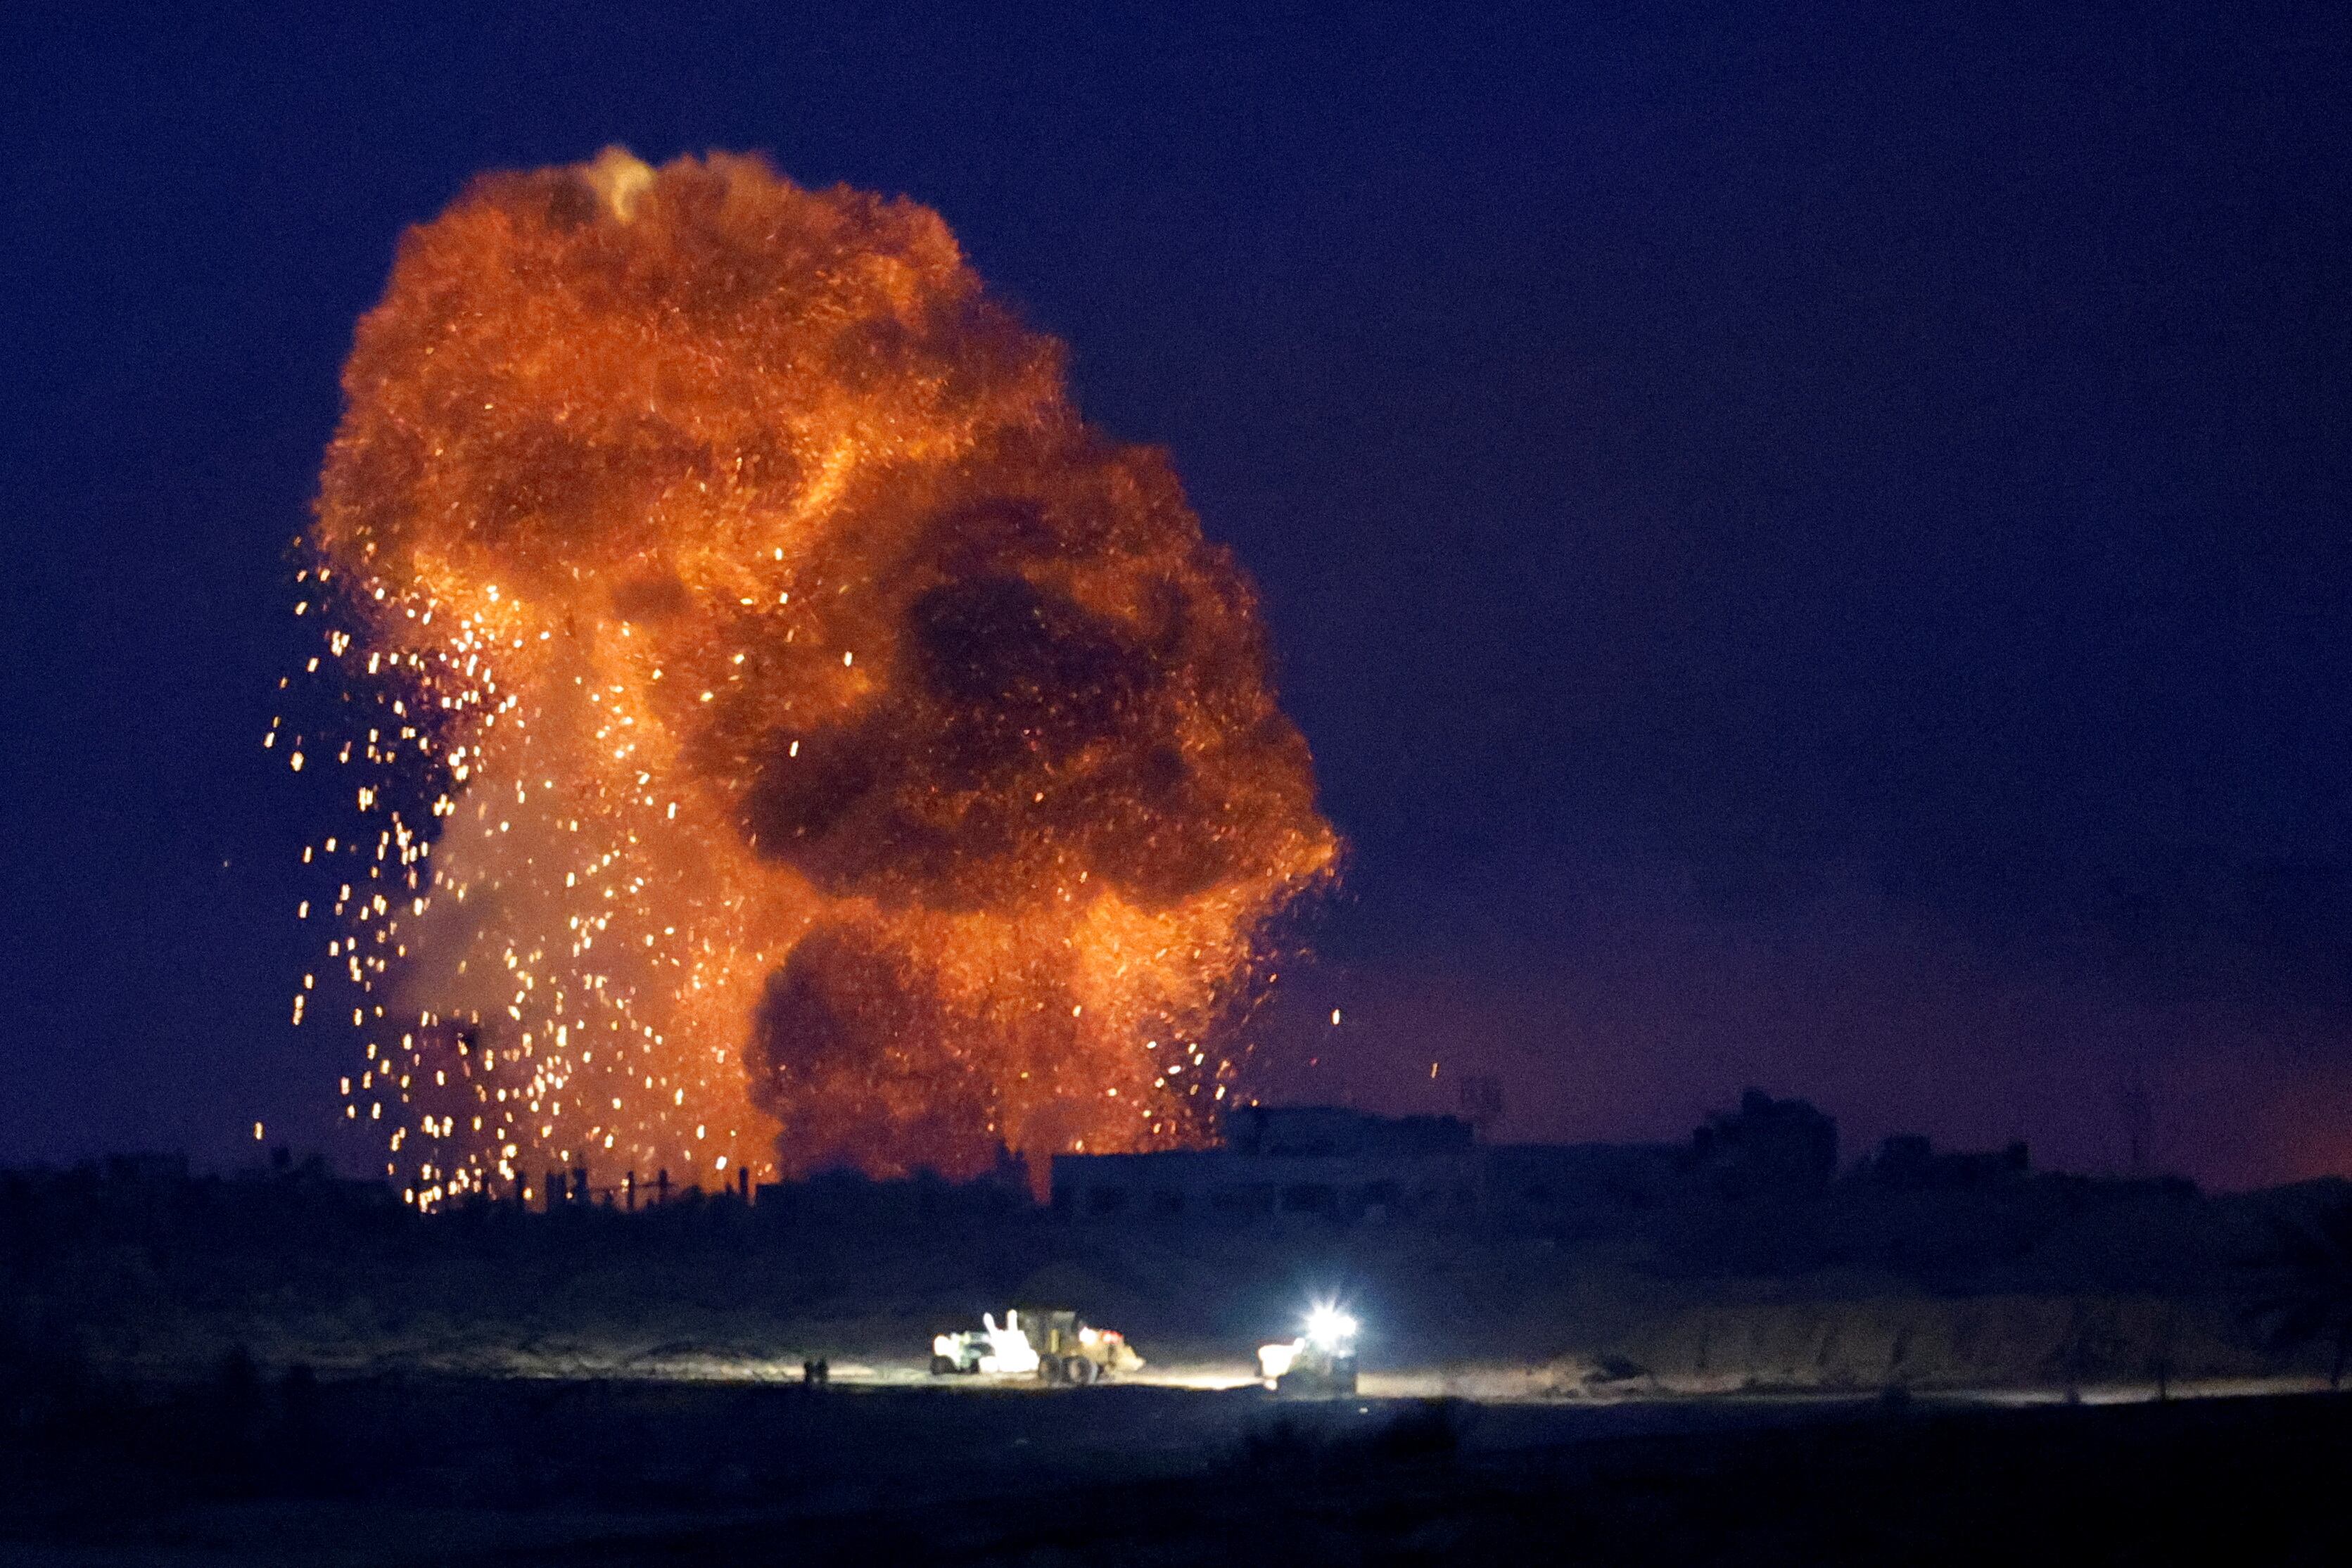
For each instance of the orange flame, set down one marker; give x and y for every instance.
(840, 753)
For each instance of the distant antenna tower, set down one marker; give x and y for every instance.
(1482, 1103)
(2137, 1101)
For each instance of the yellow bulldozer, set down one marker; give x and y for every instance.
(1070, 1351)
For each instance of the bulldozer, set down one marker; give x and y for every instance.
(1319, 1363)
(1070, 1351)
(1051, 1342)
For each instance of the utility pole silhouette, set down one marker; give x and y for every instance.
(2137, 1103)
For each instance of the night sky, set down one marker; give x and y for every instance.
(1810, 544)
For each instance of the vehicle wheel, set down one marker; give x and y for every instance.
(1049, 1369)
(1083, 1371)
(942, 1366)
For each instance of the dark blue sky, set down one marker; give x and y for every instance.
(1810, 544)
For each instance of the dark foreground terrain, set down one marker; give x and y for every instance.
(251, 1468)
(282, 1368)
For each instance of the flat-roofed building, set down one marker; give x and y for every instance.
(1327, 1160)
(1289, 1159)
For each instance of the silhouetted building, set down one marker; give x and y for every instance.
(1330, 1130)
(1287, 1159)
(1350, 1165)
(1329, 1161)
(1767, 1145)
(1908, 1162)
(147, 1169)
(1577, 1183)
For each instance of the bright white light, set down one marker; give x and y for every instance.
(1008, 1350)
(1330, 1330)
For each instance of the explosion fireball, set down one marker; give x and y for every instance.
(794, 737)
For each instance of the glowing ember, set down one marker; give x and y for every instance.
(792, 736)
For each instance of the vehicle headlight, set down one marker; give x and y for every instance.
(1329, 1330)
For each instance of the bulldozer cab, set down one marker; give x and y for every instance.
(1052, 1331)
